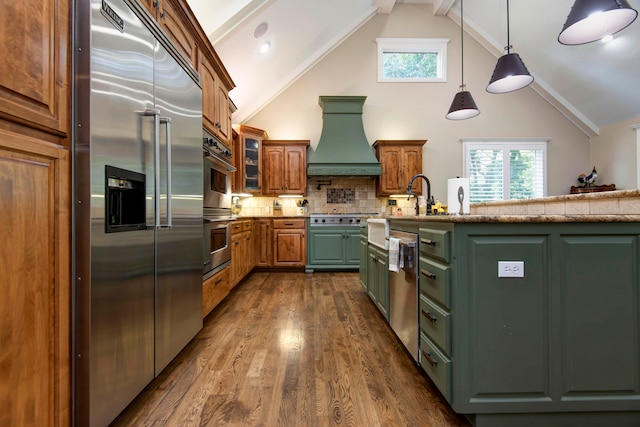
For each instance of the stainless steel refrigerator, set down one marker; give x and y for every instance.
(138, 206)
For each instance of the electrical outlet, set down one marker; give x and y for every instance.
(510, 268)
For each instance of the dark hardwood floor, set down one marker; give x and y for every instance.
(293, 349)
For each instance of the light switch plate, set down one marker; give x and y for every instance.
(510, 268)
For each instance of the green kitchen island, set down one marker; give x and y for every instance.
(558, 346)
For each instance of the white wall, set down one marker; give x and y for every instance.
(417, 110)
(614, 153)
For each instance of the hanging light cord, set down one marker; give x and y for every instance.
(508, 37)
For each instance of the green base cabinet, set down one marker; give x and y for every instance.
(364, 248)
(378, 278)
(562, 339)
(559, 346)
(333, 248)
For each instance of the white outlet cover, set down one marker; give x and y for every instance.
(510, 268)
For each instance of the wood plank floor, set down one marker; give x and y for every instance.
(293, 349)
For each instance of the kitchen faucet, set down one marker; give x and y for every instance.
(429, 198)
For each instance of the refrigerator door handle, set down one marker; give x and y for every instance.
(148, 112)
(167, 122)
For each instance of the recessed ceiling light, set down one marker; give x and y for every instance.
(260, 30)
(264, 47)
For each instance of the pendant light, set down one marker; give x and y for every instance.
(591, 20)
(463, 106)
(510, 73)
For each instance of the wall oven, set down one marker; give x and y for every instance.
(217, 244)
(217, 205)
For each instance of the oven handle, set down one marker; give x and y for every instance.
(218, 161)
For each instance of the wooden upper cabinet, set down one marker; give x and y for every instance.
(174, 21)
(284, 167)
(152, 6)
(208, 79)
(400, 160)
(248, 159)
(35, 64)
(222, 113)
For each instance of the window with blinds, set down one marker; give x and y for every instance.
(505, 170)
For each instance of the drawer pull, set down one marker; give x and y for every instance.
(217, 282)
(428, 242)
(429, 316)
(429, 274)
(431, 360)
(288, 223)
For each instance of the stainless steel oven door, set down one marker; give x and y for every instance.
(217, 182)
(216, 246)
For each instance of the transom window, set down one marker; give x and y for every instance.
(505, 169)
(412, 60)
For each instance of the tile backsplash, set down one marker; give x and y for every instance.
(329, 195)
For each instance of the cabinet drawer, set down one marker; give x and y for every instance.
(436, 365)
(435, 281)
(436, 243)
(288, 223)
(436, 324)
(247, 225)
(237, 227)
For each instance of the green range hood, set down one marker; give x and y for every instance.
(343, 149)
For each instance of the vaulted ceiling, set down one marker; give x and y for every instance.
(594, 85)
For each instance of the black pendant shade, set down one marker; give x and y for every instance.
(510, 74)
(462, 107)
(590, 20)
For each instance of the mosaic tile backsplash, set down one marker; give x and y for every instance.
(341, 195)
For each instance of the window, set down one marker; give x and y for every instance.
(504, 170)
(412, 60)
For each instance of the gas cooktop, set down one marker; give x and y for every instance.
(337, 218)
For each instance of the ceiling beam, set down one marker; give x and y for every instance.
(385, 6)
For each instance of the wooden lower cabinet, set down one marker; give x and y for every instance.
(242, 259)
(214, 290)
(262, 242)
(289, 243)
(35, 374)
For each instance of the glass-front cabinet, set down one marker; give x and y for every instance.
(248, 161)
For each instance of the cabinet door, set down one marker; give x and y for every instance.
(372, 273)
(223, 122)
(250, 164)
(327, 246)
(152, 6)
(288, 247)
(208, 79)
(382, 285)
(295, 174)
(411, 165)
(389, 181)
(34, 65)
(173, 24)
(364, 247)
(262, 242)
(35, 285)
(273, 170)
(236, 258)
(352, 246)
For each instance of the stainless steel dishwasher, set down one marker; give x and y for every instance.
(403, 290)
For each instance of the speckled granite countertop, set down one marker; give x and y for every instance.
(516, 218)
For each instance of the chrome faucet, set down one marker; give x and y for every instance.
(429, 198)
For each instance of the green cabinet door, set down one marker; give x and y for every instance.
(364, 248)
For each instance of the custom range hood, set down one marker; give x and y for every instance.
(343, 148)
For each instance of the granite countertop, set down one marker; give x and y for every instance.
(515, 218)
